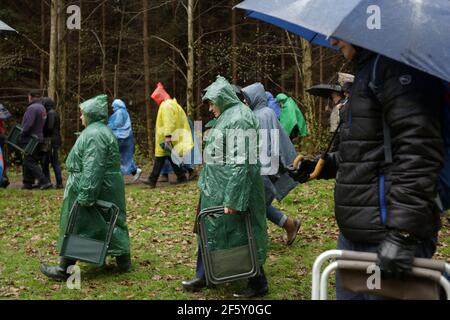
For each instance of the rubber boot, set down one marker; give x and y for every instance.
(123, 263)
(58, 272)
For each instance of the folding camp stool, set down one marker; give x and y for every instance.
(13, 140)
(225, 265)
(426, 276)
(86, 249)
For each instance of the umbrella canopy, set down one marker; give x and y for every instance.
(324, 90)
(414, 32)
(5, 27)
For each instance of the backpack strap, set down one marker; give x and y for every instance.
(374, 85)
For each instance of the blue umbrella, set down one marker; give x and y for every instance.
(5, 27)
(414, 32)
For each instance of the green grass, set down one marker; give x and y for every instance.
(163, 245)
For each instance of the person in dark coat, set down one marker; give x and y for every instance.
(386, 204)
(52, 138)
(33, 124)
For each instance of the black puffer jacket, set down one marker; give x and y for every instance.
(370, 195)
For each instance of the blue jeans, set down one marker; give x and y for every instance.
(425, 250)
(275, 215)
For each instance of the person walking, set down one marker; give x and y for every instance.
(33, 124)
(120, 124)
(173, 138)
(93, 165)
(52, 140)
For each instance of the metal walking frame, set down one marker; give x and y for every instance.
(87, 249)
(360, 261)
(225, 265)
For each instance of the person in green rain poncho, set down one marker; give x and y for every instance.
(235, 185)
(93, 165)
(291, 118)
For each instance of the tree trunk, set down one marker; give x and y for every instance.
(320, 99)
(62, 67)
(234, 75)
(104, 46)
(191, 62)
(42, 65)
(296, 75)
(52, 64)
(174, 53)
(148, 108)
(119, 48)
(258, 55)
(199, 65)
(79, 75)
(306, 70)
(283, 61)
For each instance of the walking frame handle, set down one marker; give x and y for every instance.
(425, 268)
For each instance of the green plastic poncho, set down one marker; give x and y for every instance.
(93, 165)
(233, 184)
(291, 115)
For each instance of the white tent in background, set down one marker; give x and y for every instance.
(5, 27)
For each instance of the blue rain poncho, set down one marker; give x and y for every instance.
(120, 124)
(273, 104)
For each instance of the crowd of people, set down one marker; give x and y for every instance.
(386, 160)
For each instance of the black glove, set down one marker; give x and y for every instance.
(302, 173)
(396, 254)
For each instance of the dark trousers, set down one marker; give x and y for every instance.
(426, 249)
(51, 157)
(258, 282)
(158, 165)
(32, 169)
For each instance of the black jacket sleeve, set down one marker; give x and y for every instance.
(411, 102)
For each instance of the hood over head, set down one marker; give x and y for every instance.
(222, 94)
(256, 94)
(281, 97)
(48, 103)
(95, 109)
(160, 94)
(118, 104)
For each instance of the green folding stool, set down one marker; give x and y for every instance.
(84, 248)
(229, 263)
(13, 140)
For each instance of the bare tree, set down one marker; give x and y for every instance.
(42, 65)
(52, 64)
(233, 44)
(191, 62)
(148, 109)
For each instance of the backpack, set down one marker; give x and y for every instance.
(443, 184)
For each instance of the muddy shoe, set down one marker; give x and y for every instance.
(292, 232)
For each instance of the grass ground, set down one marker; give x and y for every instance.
(163, 245)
